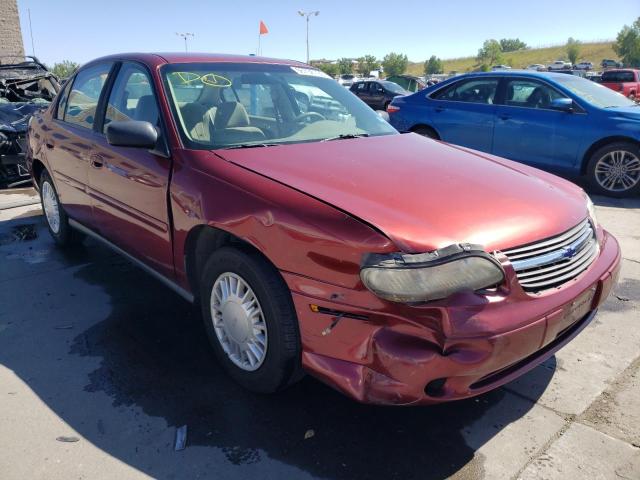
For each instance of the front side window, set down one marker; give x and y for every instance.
(530, 94)
(225, 105)
(84, 95)
(132, 97)
(470, 91)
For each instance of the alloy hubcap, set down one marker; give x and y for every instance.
(50, 204)
(618, 171)
(238, 321)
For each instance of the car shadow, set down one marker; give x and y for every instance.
(149, 353)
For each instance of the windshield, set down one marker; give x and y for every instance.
(226, 105)
(617, 77)
(394, 87)
(594, 93)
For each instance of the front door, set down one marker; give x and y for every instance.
(529, 131)
(129, 185)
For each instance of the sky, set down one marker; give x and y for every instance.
(83, 30)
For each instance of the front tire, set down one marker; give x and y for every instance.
(250, 320)
(614, 170)
(55, 216)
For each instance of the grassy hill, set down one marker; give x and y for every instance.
(590, 52)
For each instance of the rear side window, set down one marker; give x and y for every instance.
(85, 93)
(132, 97)
(618, 77)
(470, 91)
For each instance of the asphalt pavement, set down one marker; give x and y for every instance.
(101, 366)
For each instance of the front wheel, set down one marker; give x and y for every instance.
(614, 170)
(250, 320)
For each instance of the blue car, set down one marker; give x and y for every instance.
(553, 121)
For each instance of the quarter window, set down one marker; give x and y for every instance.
(62, 103)
(530, 94)
(85, 93)
(132, 97)
(470, 91)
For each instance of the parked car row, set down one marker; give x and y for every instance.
(313, 236)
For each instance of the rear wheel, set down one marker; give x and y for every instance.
(250, 320)
(426, 132)
(55, 216)
(614, 170)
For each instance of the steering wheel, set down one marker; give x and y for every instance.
(311, 116)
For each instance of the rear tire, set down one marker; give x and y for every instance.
(55, 216)
(426, 132)
(614, 170)
(250, 320)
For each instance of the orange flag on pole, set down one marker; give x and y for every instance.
(263, 28)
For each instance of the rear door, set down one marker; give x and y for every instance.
(464, 113)
(70, 138)
(129, 185)
(376, 95)
(529, 131)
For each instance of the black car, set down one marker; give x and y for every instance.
(26, 87)
(377, 93)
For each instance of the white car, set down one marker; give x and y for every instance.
(560, 65)
(497, 68)
(347, 79)
(538, 67)
(584, 66)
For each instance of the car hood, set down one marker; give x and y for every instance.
(421, 193)
(631, 112)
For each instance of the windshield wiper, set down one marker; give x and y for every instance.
(345, 136)
(251, 145)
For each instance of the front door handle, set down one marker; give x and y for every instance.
(96, 161)
(49, 145)
(504, 117)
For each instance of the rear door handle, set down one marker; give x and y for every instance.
(49, 145)
(440, 109)
(96, 161)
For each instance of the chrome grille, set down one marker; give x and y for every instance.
(554, 261)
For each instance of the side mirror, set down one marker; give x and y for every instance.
(562, 104)
(132, 133)
(382, 114)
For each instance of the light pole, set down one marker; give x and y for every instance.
(185, 36)
(307, 15)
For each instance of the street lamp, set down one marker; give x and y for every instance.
(185, 36)
(307, 15)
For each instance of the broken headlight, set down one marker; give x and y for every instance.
(423, 277)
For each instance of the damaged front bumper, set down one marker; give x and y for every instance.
(452, 349)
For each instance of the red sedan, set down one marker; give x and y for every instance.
(398, 269)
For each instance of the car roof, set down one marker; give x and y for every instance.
(512, 73)
(194, 57)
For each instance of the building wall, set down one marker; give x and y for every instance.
(10, 33)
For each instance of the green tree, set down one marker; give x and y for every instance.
(65, 68)
(573, 50)
(512, 44)
(330, 69)
(345, 65)
(367, 64)
(394, 63)
(490, 54)
(433, 66)
(627, 44)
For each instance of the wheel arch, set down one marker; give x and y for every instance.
(202, 240)
(37, 167)
(419, 126)
(601, 143)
